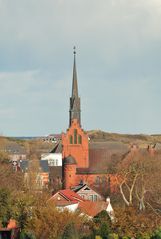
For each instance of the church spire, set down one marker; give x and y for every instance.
(75, 84)
(74, 111)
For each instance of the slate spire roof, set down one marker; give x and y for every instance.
(75, 83)
(74, 111)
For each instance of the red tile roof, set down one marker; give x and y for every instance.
(92, 208)
(68, 197)
(12, 224)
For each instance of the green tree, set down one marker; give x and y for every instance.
(102, 224)
(70, 232)
(157, 234)
(5, 206)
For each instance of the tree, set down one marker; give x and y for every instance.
(131, 223)
(49, 222)
(138, 180)
(5, 206)
(70, 232)
(102, 224)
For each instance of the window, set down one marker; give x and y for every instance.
(91, 197)
(51, 162)
(75, 136)
(94, 197)
(79, 139)
(71, 139)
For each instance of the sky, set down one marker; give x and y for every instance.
(118, 59)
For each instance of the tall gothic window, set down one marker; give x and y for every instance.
(71, 139)
(79, 139)
(75, 136)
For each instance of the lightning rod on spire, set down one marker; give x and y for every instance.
(74, 48)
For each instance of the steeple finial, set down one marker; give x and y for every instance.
(74, 100)
(74, 52)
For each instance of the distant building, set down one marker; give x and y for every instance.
(36, 173)
(15, 151)
(52, 138)
(54, 158)
(87, 193)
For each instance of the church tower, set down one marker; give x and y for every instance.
(74, 111)
(75, 140)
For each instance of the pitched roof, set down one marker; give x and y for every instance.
(12, 224)
(71, 196)
(57, 148)
(74, 111)
(13, 148)
(101, 154)
(44, 165)
(24, 164)
(92, 208)
(81, 186)
(78, 187)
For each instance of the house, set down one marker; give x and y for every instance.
(87, 193)
(15, 151)
(52, 138)
(54, 158)
(38, 170)
(68, 199)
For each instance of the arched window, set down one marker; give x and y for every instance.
(75, 136)
(71, 139)
(79, 139)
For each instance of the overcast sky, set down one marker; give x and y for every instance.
(118, 63)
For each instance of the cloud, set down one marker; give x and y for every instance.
(119, 54)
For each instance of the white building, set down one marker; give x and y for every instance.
(54, 159)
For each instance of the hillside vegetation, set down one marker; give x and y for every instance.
(140, 139)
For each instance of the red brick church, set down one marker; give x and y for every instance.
(85, 161)
(82, 161)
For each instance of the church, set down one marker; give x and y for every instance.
(84, 161)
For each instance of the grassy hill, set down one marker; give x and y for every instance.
(140, 139)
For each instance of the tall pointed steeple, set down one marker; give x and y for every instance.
(74, 111)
